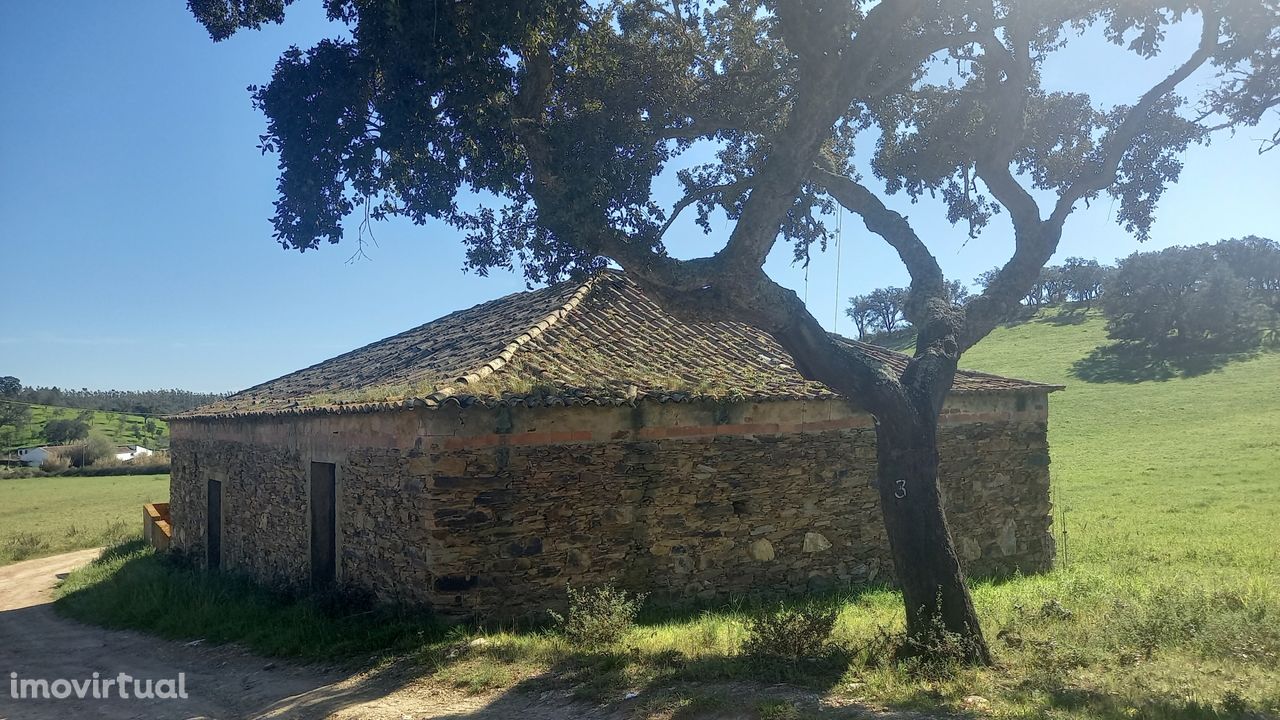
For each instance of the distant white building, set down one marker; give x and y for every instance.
(125, 453)
(35, 456)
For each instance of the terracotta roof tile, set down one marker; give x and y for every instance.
(595, 342)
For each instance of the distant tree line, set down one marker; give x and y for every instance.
(1223, 295)
(1075, 280)
(883, 310)
(137, 402)
(16, 414)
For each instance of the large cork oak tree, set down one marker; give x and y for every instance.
(562, 114)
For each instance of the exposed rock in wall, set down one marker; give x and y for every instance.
(499, 529)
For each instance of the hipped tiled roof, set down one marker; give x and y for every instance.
(598, 342)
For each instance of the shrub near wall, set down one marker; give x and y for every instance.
(124, 469)
(91, 471)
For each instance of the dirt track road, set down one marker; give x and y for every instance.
(225, 683)
(221, 682)
(37, 643)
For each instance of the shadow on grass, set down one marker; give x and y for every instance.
(131, 587)
(1126, 362)
(533, 675)
(1107, 707)
(709, 686)
(1066, 315)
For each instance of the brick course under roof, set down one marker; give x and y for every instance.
(595, 342)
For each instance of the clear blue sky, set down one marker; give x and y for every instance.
(137, 248)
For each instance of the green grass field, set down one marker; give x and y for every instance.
(1165, 603)
(1172, 475)
(122, 428)
(48, 515)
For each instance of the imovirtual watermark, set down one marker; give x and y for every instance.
(122, 685)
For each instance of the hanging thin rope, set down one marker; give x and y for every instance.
(835, 316)
(806, 278)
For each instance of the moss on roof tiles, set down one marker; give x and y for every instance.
(595, 342)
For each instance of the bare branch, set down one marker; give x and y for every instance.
(832, 77)
(1035, 239)
(722, 190)
(926, 275)
(1118, 143)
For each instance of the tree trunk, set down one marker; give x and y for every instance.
(906, 415)
(924, 557)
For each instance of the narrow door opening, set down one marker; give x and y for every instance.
(324, 535)
(213, 522)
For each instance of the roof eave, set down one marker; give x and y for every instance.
(438, 401)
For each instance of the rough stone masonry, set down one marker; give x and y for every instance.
(491, 511)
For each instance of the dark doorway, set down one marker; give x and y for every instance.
(324, 535)
(213, 522)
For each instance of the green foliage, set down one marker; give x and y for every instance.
(778, 710)
(1184, 298)
(60, 431)
(791, 633)
(1083, 279)
(14, 415)
(1256, 261)
(880, 311)
(1075, 280)
(414, 103)
(109, 468)
(599, 617)
(95, 447)
(135, 430)
(128, 402)
(563, 114)
(22, 545)
(936, 654)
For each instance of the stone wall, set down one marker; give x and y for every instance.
(492, 511)
(264, 507)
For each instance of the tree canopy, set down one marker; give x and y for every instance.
(63, 430)
(566, 112)
(1217, 296)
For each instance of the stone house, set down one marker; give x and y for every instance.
(578, 434)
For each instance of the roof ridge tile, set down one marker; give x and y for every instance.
(505, 354)
(597, 341)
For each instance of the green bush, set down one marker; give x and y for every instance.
(99, 470)
(790, 633)
(92, 449)
(8, 473)
(599, 617)
(937, 654)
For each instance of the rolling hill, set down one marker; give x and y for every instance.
(1153, 460)
(122, 428)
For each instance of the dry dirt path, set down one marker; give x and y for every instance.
(226, 683)
(221, 682)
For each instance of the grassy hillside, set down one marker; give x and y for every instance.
(122, 428)
(1165, 604)
(48, 515)
(1177, 470)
